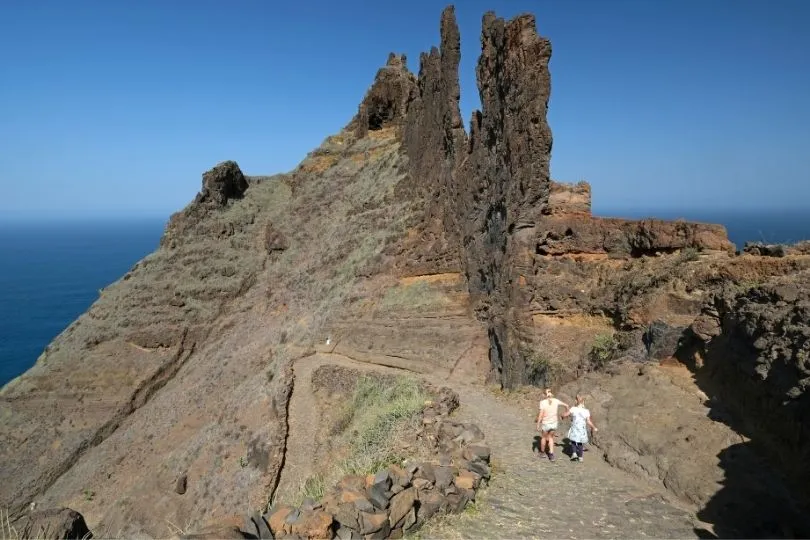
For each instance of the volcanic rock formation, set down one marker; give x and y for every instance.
(407, 242)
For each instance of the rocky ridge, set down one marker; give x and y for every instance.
(407, 242)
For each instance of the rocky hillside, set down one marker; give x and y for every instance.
(409, 242)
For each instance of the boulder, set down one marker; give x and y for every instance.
(466, 480)
(401, 504)
(376, 522)
(378, 496)
(53, 523)
(347, 515)
(426, 472)
(480, 468)
(383, 480)
(222, 183)
(399, 476)
(662, 340)
(480, 451)
(444, 477)
(430, 503)
(313, 524)
(277, 518)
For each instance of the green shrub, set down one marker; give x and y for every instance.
(603, 350)
(538, 369)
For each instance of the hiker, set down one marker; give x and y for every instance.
(547, 423)
(580, 422)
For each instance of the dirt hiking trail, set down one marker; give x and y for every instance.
(528, 497)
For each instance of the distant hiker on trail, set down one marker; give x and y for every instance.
(547, 423)
(580, 422)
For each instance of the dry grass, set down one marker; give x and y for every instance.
(318, 164)
(7, 530)
(368, 433)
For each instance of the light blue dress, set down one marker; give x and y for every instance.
(579, 424)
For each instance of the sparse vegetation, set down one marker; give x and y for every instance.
(538, 368)
(89, 494)
(378, 416)
(688, 254)
(7, 530)
(747, 284)
(314, 488)
(603, 349)
(379, 410)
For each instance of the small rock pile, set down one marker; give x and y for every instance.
(396, 500)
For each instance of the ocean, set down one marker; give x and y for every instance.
(50, 273)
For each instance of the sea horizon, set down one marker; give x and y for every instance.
(51, 270)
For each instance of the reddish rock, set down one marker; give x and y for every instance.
(401, 504)
(376, 522)
(313, 524)
(277, 518)
(466, 480)
(352, 482)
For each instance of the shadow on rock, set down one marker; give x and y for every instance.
(760, 495)
(753, 502)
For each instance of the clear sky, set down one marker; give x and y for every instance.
(117, 107)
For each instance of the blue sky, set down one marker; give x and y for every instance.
(116, 108)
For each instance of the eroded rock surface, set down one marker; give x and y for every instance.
(406, 242)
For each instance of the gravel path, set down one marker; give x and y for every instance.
(527, 496)
(533, 497)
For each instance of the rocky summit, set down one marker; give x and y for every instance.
(190, 399)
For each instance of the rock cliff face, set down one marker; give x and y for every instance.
(753, 346)
(405, 241)
(492, 210)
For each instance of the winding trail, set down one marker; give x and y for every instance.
(528, 497)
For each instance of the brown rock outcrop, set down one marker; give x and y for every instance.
(490, 205)
(51, 524)
(386, 102)
(579, 233)
(753, 347)
(569, 199)
(481, 190)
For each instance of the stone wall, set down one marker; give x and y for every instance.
(396, 500)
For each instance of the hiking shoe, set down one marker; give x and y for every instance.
(551, 457)
(574, 458)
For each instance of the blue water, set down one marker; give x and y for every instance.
(51, 273)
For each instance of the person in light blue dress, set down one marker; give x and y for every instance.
(580, 422)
